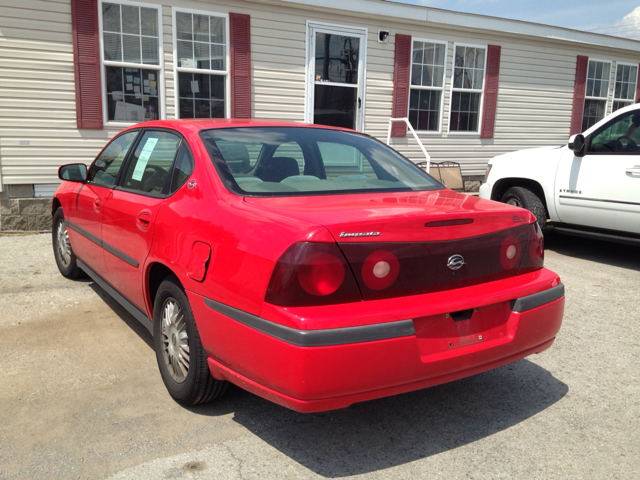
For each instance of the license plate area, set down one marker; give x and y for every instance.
(455, 333)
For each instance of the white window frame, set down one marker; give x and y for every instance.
(608, 94)
(420, 87)
(481, 91)
(108, 63)
(635, 82)
(177, 70)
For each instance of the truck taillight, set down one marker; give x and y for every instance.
(312, 274)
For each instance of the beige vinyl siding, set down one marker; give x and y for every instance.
(38, 129)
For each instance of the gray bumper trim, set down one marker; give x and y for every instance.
(316, 338)
(537, 299)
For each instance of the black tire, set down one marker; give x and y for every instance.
(62, 251)
(525, 198)
(194, 384)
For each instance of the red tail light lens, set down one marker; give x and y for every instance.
(380, 269)
(535, 259)
(312, 274)
(321, 274)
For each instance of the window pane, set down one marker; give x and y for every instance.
(479, 58)
(218, 57)
(131, 19)
(185, 54)
(182, 170)
(593, 113)
(427, 76)
(132, 94)
(110, 17)
(149, 19)
(337, 58)
(464, 111)
(438, 76)
(457, 78)
(218, 30)
(424, 109)
(151, 162)
(104, 170)
(416, 75)
(197, 92)
(201, 28)
(150, 50)
(417, 52)
(131, 49)
(183, 26)
(201, 55)
(335, 106)
(112, 47)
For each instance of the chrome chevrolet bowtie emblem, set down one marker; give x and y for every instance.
(455, 262)
(192, 184)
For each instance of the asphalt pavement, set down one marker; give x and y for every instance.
(81, 395)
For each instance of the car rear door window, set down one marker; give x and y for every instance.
(151, 162)
(183, 168)
(104, 170)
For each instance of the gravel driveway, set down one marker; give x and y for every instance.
(82, 397)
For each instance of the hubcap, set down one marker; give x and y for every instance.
(64, 247)
(514, 202)
(175, 340)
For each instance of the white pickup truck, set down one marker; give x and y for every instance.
(589, 187)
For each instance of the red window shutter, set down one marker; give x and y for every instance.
(86, 63)
(638, 85)
(240, 39)
(490, 91)
(579, 88)
(401, 72)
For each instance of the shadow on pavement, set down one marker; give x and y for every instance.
(384, 433)
(609, 253)
(380, 434)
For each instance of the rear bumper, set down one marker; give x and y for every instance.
(419, 345)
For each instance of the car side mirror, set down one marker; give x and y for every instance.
(73, 172)
(577, 144)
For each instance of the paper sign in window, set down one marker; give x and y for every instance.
(143, 159)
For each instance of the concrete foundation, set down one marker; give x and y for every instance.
(21, 212)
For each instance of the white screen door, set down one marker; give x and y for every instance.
(335, 76)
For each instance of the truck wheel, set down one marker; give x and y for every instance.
(181, 358)
(524, 198)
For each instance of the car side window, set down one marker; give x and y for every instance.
(151, 162)
(183, 169)
(622, 135)
(104, 170)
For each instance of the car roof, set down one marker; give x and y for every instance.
(197, 124)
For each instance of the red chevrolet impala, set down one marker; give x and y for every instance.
(313, 266)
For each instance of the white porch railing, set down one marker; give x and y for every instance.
(406, 120)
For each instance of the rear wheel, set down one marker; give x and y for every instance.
(181, 358)
(524, 198)
(62, 251)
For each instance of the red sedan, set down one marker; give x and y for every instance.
(313, 266)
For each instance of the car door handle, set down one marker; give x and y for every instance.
(635, 170)
(144, 220)
(97, 204)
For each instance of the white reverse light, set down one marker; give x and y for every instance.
(511, 252)
(381, 269)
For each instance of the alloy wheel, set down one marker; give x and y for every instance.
(175, 340)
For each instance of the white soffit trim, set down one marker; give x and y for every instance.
(390, 8)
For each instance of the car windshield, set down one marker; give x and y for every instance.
(292, 161)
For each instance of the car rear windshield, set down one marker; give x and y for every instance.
(292, 161)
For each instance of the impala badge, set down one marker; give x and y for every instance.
(455, 262)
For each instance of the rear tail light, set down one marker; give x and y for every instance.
(535, 257)
(312, 274)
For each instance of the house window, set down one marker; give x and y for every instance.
(131, 62)
(427, 84)
(201, 64)
(467, 88)
(624, 93)
(595, 100)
